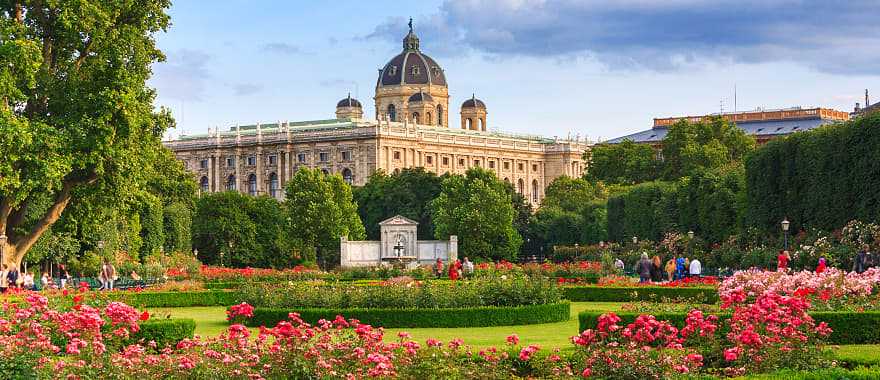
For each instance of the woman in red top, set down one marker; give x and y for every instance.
(782, 261)
(453, 270)
(821, 267)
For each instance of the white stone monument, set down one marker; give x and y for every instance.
(399, 245)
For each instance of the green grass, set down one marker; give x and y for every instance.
(211, 321)
(858, 354)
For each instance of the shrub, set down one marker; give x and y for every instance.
(637, 293)
(178, 299)
(165, 332)
(411, 317)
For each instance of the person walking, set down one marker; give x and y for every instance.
(618, 263)
(696, 268)
(656, 269)
(644, 269)
(65, 277)
(438, 268)
(679, 268)
(670, 269)
(454, 269)
(12, 278)
(782, 261)
(4, 283)
(821, 267)
(468, 267)
(111, 275)
(860, 263)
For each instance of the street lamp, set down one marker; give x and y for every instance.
(196, 252)
(785, 225)
(221, 258)
(691, 235)
(635, 240)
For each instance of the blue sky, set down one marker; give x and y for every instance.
(598, 68)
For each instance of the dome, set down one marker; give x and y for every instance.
(420, 97)
(411, 66)
(349, 102)
(473, 103)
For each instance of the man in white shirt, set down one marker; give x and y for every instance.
(695, 268)
(619, 264)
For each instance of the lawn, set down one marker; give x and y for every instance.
(211, 321)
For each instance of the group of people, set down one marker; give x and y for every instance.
(861, 262)
(457, 269)
(652, 270)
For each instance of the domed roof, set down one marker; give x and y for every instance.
(411, 66)
(473, 102)
(420, 97)
(349, 102)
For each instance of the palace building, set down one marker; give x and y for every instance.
(412, 129)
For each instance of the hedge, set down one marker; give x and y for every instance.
(450, 317)
(637, 293)
(165, 332)
(179, 299)
(849, 327)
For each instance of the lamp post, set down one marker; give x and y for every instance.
(196, 253)
(691, 235)
(785, 224)
(101, 247)
(635, 240)
(221, 258)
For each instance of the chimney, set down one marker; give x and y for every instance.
(867, 103)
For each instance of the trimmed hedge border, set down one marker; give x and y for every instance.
(590, 293)
(451, 317)
(178, 299)
(165, 332)
(849, 327)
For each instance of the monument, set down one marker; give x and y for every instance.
(399, 246)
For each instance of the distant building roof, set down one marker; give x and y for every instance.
(761, 123)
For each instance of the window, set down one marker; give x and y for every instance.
(392, 112)
(301, 157)
(392, 70)
(414, 70)
(325, 171)
(347, 176)
(324, 156)
(230, 162)
(273, 185)
(445, 161)
(461, 162)
(273, 159)
(519, 166)
(230, 183)
(439, 115)
(252, 160)
(491, 164)
(534, 167)
(468, 123)
(427, 118)
(203, 164)
(416, 119)
(535, 190)
(506, 165)
(346, 155)
(203, 184)
(396, 155)
(252, 185)
(520, 186)
(429, 160)
(476, 162)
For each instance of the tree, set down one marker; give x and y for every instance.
(408, 193)
(623, 163)
(320, 210)
(478, 209)
(569, 212)
(76, 117)
(708, 144)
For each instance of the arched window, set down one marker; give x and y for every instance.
(427, 118)
(347, 176)
(506, 179)
(535, 190)
(468, 123)
(230, 183)
(325, 171)
(203, 184)
(392, 112)
(439, 115)
(416, 119)
(520, 186)
(482, 124)
(273, 185)
(252, 184)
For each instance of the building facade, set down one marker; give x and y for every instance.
(764, 125)
(412, 129)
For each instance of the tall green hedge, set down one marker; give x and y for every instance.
(446, 317)
(179, 299)
(848, 327)
(823, 178)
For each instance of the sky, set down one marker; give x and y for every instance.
(598, 69)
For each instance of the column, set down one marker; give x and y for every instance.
(210, 174)
(259, 169)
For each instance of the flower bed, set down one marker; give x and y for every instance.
(421, 317)
(592, 293)
(831, 290)
(427, 295)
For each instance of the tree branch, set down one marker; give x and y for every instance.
(19, 12)
(84, 53)
(5, 209)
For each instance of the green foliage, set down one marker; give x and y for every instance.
(495, 292)
(624, 163)
(822, 178)
(572, 211)
(151, 299)
(417, 317)
(408, 193)
(320, 209)
(478, 209)
(647, 211)
(177, 224)
(165, 332)
(708, 144)
(591, 293)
